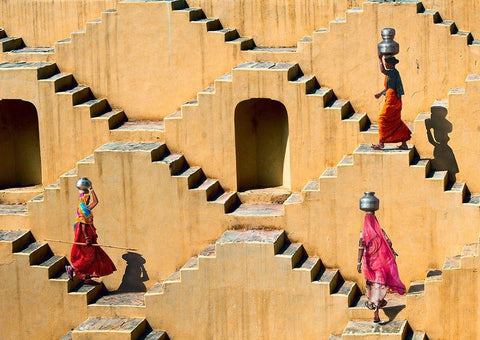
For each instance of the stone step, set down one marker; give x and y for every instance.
(53, 264)
(115, 118)
(19, 195)
(155, 335)
(43, 69)
(326, 93)
(416, 288)
(96, 107)
(17, 238)
(211, 187)
(175, 161)
(138, 131)
(276, 195)
(356, 329)
(193, 176)
(34, 251)
(79, 94)
(293, 252)
(329, 277)
(395, 308)
(118, 304)
(229, 200)
(342, 106)
(61, 81)
(31, 54)
(245, 210)
(10, 43)
(110, 328)
(90, 291)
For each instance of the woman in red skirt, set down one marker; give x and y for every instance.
(87, 261)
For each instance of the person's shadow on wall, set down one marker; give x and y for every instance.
(135, 274)
(444, 158)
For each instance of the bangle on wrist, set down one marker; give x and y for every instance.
(358, 263)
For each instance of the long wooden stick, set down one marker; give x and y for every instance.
(93, 244)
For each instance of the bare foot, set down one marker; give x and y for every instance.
(376, 317)
(378, 146)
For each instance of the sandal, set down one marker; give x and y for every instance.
(382, 304)
(69, 270)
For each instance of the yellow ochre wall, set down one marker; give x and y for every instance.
(270, 23)
(182, 66)
(242, 290)
(33, 306)
(317, 136)
(67, 131)
(275, 23)
(453, 143)
(447, 308)
(146, 58)
(141, 206)
(415, 211)
(431, 62)
(41, 23)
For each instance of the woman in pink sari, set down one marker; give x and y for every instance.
(376, 255)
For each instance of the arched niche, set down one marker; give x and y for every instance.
(19, 144)
(261, 144)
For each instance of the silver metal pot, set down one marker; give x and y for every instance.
(84, 182)
(369, 202)
(388, 46)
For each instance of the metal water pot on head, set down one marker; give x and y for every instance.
(369, 203)
(388, 46)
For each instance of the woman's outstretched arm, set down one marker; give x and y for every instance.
(361, 249)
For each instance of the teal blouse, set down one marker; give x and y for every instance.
(394, 81)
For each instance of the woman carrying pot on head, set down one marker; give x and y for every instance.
(391, 127)
(88, 261)
(377, 257)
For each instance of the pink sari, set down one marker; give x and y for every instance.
(379, 264)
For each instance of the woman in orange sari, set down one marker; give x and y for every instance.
(391, 127)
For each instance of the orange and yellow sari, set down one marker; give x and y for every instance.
(391, 127)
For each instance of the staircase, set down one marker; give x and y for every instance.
(14, 50)
(440, 288)
(451, 123)
(189, 131)
(458, 47)
(307, 273)
(82, 121)
(38, 255)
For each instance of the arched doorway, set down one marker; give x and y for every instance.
(261, 143)
(19, 144)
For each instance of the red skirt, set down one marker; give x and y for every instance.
(89, 261)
